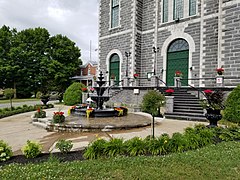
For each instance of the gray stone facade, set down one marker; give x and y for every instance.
(213, 36)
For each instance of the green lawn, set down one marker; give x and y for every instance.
(220, 161)
(18, 100)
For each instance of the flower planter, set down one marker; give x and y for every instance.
(213, 116)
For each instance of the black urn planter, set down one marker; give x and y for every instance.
(213, 116)
(45, 100)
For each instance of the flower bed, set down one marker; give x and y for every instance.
(5, 112)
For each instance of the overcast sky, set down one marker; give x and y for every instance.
(76, 19)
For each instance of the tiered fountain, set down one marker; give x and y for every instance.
(99, 111)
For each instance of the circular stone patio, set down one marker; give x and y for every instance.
(75, 123)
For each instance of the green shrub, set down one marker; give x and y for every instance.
(115, 147)
(5, 151)
(31, 149)
(58, 117)
(73, 94)
(38, 95)
(152, 101)
(232, 106)
(177, 143)
(64, 146)
(95, 149)
(158, 146)
(136, 146)
(40, 114)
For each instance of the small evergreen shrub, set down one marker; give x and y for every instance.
(232, 106)
(73, 94)
(64, 146)
(5, 151)
(31, 149)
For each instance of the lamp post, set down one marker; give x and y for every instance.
(155, 51)
(127, 54)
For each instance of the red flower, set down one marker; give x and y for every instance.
(84, 89)
(169, 90)
(38, 110)
(219, 69)
(59, 113)
(136, 76)
(178, 73)
(208, 91)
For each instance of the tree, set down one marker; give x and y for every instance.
(63, 61)
(6, 63)
(152, 102)
(32, 61)
(9, 93)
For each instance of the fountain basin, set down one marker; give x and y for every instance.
(111, 112)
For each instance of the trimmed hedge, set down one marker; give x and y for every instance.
(5, 112)
(73, 94)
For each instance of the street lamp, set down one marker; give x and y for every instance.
(155, 51)
(127, 54)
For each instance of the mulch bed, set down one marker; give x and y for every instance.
(62, 157)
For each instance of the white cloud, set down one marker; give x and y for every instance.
(77, 19)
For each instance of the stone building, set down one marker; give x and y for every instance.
(156, 38)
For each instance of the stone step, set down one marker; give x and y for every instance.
(194, 111)
(183, 106)
(184, 117)
(40, 125)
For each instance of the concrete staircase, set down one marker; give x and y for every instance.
(186, 107)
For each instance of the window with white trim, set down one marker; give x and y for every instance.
(114, 13)
(178, 7)
(192, 7)
(165, 11)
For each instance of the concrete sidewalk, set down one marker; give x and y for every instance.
(17, 129)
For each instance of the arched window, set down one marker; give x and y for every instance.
(114, 68)
(178, 45)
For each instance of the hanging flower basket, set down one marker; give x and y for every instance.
(136, 76)
(220, 71)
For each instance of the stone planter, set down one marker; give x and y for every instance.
(169, 104)
(177, 81)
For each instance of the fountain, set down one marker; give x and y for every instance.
(100, 98)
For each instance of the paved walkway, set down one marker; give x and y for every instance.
(17, 129)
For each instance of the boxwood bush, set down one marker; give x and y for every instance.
(31, 149)
(232, 106)
(73, 94)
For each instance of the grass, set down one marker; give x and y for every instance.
(219, 161)
(18, 100)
